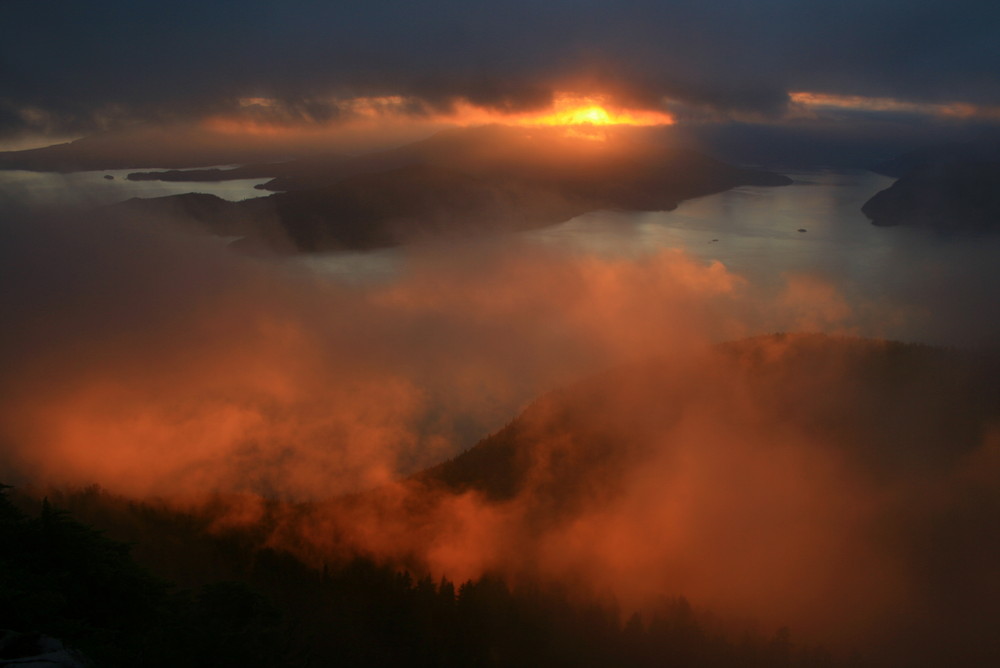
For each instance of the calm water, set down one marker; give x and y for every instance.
(941, 290)
(949, 288)
(47, 188)
(902, 282)
(815, 224)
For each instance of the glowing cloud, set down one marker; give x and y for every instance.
(269, 117)
(581, 115)
(810, 102)
(570, 109)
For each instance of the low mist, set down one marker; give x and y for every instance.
(198, 369)
(798, 480)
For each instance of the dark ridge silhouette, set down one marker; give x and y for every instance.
(463, 182)
(901, 412)
(369, 211)
(272, 610)
(906, 406)
(252, 223)
(65, 581)
(948, 196)
(196, 207)
(418, 202)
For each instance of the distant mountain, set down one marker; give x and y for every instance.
(462, 182)
(947, 195)
(370, 210)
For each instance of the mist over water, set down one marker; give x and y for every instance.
(754, 415)
(775, 484)
(755, 230)
(903, 283)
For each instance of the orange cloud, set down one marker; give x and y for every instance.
(810, 101)
(763, 481)
(738, 477)
(568, 109)
(267, 117)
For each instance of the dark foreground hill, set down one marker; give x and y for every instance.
(894, 419)
(242, 603)
(896, 407)
(460, 182)
(808, 463)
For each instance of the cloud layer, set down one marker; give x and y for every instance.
(71, 68)
(781, 482)
(190, 367)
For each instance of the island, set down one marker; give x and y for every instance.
(459, 182)
(949, 196)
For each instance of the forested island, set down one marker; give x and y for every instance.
(459, 182)
(952, 189)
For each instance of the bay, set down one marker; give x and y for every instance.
(93, 188)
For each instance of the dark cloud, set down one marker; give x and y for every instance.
(96, 62)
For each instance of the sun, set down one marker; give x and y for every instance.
(592, 115)
(572, 110)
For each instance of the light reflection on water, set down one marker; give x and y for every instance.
(26, 188)
(762, 233)
(752, 230)
(946, 288)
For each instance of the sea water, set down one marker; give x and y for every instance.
(27, 188)
(946, 287)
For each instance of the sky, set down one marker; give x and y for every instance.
(70, 69)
